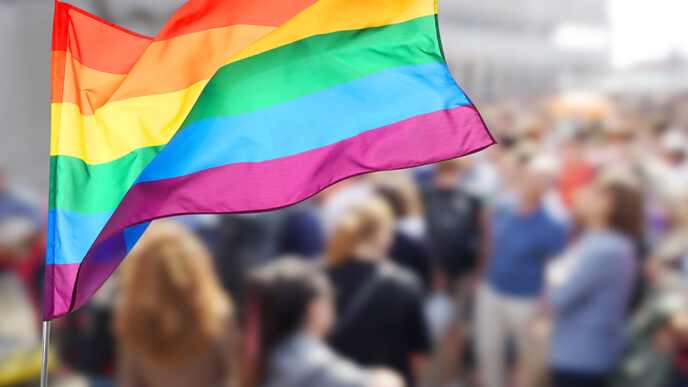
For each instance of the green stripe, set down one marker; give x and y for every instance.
(91, 189)
(439, 37)
(313, 64)
(276, 76)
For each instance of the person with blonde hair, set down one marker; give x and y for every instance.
(381, 321)
(173, 320)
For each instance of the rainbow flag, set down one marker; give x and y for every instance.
(235, 106)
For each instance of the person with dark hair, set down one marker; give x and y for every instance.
(408, 251)
(288, 311)
(302, 232)
(453, 216)
(380, 303)
(591, 291)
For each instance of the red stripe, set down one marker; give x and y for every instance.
(199, 15)
(95, 42)
(106, 47)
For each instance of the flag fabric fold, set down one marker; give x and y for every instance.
(235, 106)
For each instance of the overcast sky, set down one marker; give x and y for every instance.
(644, 30)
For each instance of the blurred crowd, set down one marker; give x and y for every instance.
(558, 257)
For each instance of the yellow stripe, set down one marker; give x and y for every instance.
(328, 16)
(120, 127)
(123, 126)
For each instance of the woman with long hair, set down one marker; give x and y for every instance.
(288, 311)
(590, 296)
(173, 320)
(380, 304)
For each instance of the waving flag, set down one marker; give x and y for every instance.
(235, 106)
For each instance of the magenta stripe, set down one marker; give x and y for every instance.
(250, 187)
(60, 281)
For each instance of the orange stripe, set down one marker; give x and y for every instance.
(166, 66)
(106, 47)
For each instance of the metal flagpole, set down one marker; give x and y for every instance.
(45, 343)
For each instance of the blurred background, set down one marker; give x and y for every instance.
(558, 257)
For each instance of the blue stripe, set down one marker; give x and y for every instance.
(133, 234)
(77, 232)
(313, 121)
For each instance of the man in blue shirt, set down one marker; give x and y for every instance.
(524, 235)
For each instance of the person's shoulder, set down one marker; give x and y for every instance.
(612, 250)
(305, 361)
(616, 243)
(554, 222)
(398, 276)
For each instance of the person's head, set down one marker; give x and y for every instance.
(287, 296)
(674, 146)
(613, 201)
(171, 304)
(365, 232)
(399, 190)
(447, 173)
(537, 175)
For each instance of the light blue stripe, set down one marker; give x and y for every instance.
(75, 234)
(313, 121)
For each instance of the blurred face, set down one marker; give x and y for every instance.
(533, 185)
(446, 179)
(321, 316)
(593, 206)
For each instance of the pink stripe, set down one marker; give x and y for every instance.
(251, 187)
(59, 288)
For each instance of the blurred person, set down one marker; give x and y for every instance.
(454, 221)
(667, 265)
(16, 203)
(288, 312)
(576, 170)
(22, 252)
(380, 304)
(667, 175)
(22, 241)
(243, 241)
(85, 338)
(590, 303)
(654, 341)
(302, 231)
(408, 203)
(679, 325)
(523, 237)
(408, 249)
(672, 172)
(456, 238)
(340, 198)
(173, 321)
(617, 145)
